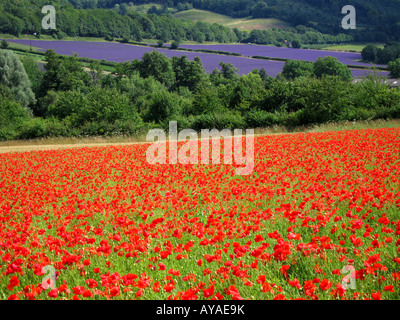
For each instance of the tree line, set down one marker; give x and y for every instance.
(68, 101)
(389, 54)
(377, 21)
(25, 17)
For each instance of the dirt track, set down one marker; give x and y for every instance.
(27, 148)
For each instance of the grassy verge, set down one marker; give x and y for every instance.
(59, 141)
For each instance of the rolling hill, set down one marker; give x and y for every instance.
(243, 24)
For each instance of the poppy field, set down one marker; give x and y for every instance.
(116, 227)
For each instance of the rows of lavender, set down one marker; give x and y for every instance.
(347, 58)
(117, 52)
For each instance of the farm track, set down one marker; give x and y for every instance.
(27, 148)
(44, 147)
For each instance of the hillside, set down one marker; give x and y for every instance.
(376, 20)
(243, 24)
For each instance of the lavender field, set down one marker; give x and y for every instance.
(247, 50)
(117, 52)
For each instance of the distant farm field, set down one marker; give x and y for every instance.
(118, 52)
(241, 24)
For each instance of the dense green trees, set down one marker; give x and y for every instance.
(394, 68)
(328, 66)
(376, 20)
(296, 68)
(390, 52)
(332, 67)
(4, 44)
(13, 77)
(149, 93)
(158, 66)
(188, 73)
(25, 16)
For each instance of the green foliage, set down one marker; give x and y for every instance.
(13, 76)
(295, 68)
(65, 104)
(33, 128)
(140, 90)
(206, 100)
(278, 96)
(4, 44)
(261, 119)
(175, 45)
(188, 73)
(157, 65)
(330, 66)
(77, 102)
(247, 92)
(390, 52)
(163, 105)
(12, 114)
(296, 44)
(394, 68)
(321, 100)
(220, 121)
(369, 53)
(107, 105)
(228, 71)
(63, 74)
(34, 73)
(374, 93)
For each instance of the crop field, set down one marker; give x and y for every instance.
(285, 53)
(117, 52)
(318, 207)
(241, 24)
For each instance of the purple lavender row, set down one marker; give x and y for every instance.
(348, 58)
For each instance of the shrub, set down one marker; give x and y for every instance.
(261, 119)
(218, 121)
(33, 128)
(4, 44)
(175, 45)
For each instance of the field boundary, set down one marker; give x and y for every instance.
(93, 142)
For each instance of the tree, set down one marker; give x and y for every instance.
(4, 44)
(162, 106)
(263, 74)
(248, 89)
(96, 71)
(34, 73)
(294, 69)
(296, 44)
(188, 73)
(394, 68)
(107, 105)
(159, 66)
(331, 66)
(369, 53)
(13, 76)
(175, 45)
(228, 71)
(51, 78)
(12, 116)
(63, 74)
(206, 100)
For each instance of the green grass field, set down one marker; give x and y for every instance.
(356, 47)
(241, 24)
